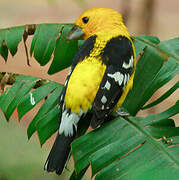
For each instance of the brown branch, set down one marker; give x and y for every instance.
(25, 35)
(30, 29)
(10, 78)
(3, 82)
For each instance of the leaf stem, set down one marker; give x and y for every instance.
(152, 140)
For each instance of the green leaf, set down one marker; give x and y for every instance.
(35, 37)
(122, 147)
(101, 158)
(158, 132)
(146, 159)
(31, 99)
(74, 176)
(88, 147)
(145, 74)
(44, 41)
(50, 119)
(64, 52)
(48, 105)
(140, 42)
(154, 119)
(22, 86)
(163, 97)
(28, 84)
(13, 38)
(166, 73)
(150, 74)
(4, 52)
(170, 47)
(149, 39)
(3, 48)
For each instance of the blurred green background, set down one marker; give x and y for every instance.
(19, 158)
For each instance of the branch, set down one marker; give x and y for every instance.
(10, 78)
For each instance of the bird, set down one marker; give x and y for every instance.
(99, 80)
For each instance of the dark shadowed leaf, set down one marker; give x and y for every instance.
(50, 119)
(79, 176)
(3, 48)
(44, 41)
(64, 52)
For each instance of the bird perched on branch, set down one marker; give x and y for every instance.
(101, 76)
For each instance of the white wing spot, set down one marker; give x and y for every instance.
(128, 77)
(32, 100)
(46, 164)
(69, 72)
(65, 83)
(102, 107)
(104, 99)
(61, 98)
(130, 64)
(117, 76)
(121, 77)
(68, 122)
(107, 85)
(125, 79)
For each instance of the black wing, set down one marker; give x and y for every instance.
(118, 57)
(84, 51)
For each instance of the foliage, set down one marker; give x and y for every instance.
(124, 148)
(48, 38)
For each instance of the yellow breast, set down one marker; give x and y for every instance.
(83, 84)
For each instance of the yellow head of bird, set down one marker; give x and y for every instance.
(96, 20)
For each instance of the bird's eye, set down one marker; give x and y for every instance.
(85, 19)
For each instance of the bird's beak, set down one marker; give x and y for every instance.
(75, 33)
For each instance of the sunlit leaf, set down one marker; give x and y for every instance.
(13, 96)
(31, 99)
(48, 105)
(13, 38)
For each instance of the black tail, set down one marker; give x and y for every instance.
(59, 154)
